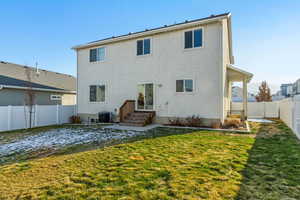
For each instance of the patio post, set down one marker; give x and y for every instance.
(245, 98)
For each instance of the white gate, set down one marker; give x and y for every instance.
(259, 109)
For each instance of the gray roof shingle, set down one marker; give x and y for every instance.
(5, 80)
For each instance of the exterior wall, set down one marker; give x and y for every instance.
(122, 70)
(225, 102)
(68, 99)
(16, 97)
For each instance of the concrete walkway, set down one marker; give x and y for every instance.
(152, 126)
(132, 128)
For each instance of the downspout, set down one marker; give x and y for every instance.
(221, 92)
(76, 105)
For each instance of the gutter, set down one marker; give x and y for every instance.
(229, 28)
(37, 89)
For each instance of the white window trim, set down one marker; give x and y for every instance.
(193, 48)
(55, 97)
(98, 61)
(105, 93)
(154, 94)
(143, 55)
(185, 92)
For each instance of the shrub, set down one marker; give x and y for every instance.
(176, 122)
(216, 125)
(193, 121)
(232, 123)
(75, 119)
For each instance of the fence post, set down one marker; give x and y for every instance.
(264, 115)
(57, 114)
(9, 113)
(293, 114)
(36, 115)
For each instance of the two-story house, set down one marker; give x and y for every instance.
(174, 71)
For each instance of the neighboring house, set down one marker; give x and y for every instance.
(277, 96)
(173, 71)
(286, 89)
(49, 88)
(296, 87)
(237, 95)
(290, 89)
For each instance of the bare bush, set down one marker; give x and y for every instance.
(232, 123)
(75, 119)
(193, 121)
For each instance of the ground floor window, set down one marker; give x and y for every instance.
(55, 97)
(97, 93)
(184, 85)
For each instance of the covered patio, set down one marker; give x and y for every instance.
(235, 74)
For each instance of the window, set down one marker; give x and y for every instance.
(184, 85)
(143, 47)
(97, 93)
(55, 97)
(97, 54)
(193, 39)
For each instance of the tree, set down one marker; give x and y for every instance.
(264, 93)
(29, 95)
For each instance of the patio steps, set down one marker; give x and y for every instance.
(138, 118)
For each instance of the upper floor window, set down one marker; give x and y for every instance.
(143, 47)
(97, 54)
(193, 38)
(97, 93)
(185, 85)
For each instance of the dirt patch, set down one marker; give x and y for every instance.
(268, 130)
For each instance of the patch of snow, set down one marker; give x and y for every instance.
(260, 120)
(58, 138)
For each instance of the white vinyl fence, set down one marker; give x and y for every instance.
(290, 113)
(17, 117)
(288, 110)
(259, 109)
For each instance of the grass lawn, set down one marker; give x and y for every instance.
(196, 165)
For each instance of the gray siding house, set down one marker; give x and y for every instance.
(48, 88)
(296, 87)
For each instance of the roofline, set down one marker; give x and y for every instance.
(154, 31)
(231, 57)
(248, 74)
(34, 68)
(37, 89)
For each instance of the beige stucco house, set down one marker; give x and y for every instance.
(173, 71)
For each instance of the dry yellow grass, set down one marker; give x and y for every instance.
(197, 165)
(201, 164)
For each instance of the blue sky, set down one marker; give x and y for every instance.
(266, 34)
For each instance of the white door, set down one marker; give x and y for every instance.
(145, 97)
